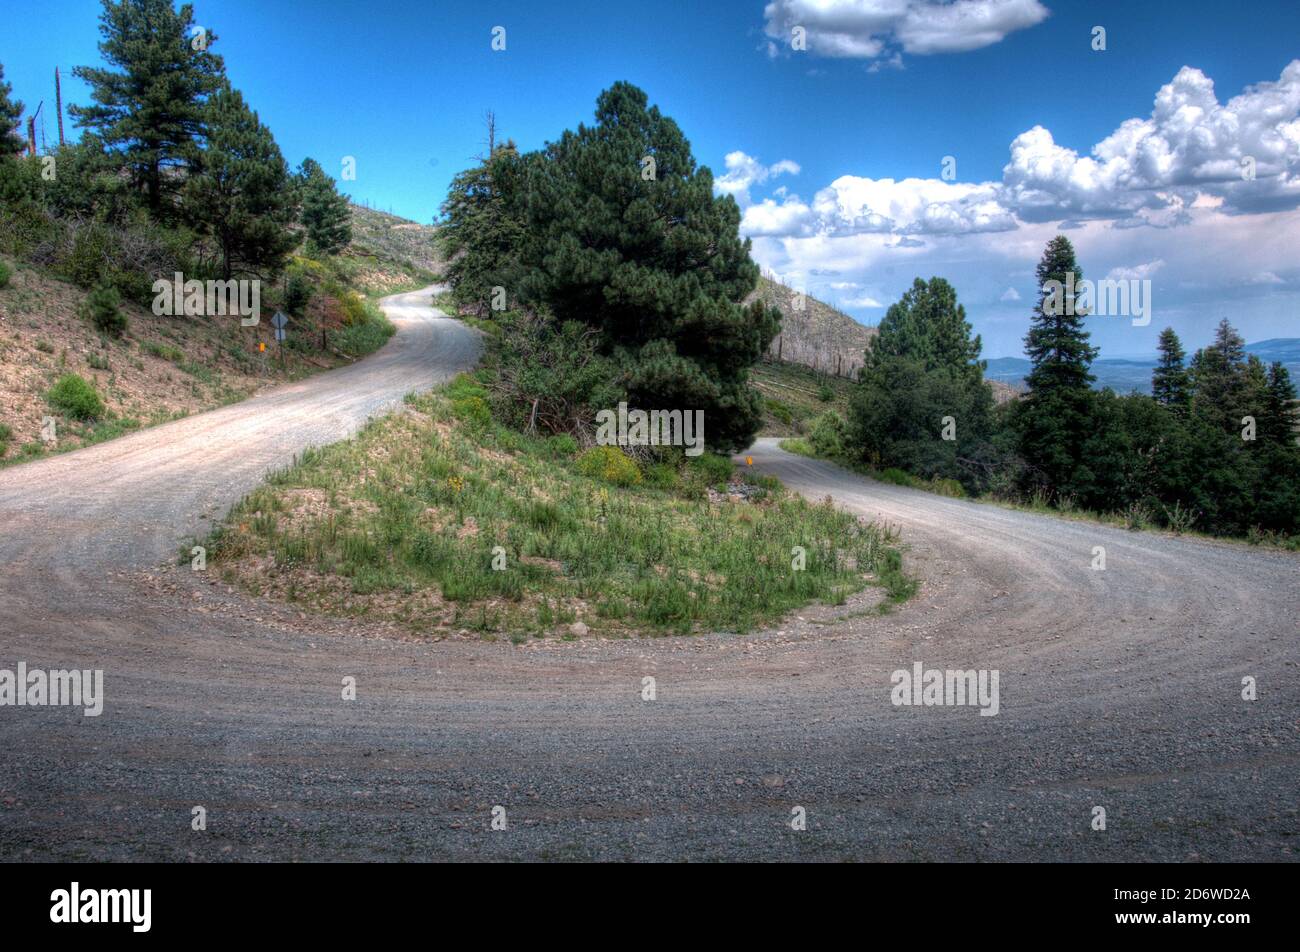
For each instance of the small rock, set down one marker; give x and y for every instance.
(579, 629)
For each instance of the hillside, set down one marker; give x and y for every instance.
(399, 251)
(816, 336)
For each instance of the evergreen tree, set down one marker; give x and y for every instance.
(325, 213)
(1054, 419)
(11, 114)
(625, 234)
(1169, 381)
(483, 229)
(921, 368)
(1218, 377)
(242, 196)
(149, 102)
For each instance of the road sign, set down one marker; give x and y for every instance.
(279, 322)
(279, 334)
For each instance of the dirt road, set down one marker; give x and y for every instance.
(1118, 688)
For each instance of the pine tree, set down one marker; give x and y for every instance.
(325, 213)
(1054, 421)
(1218, 376)
(625, 234)
(242, 195)
(11, 114)
(149, 103)
(1169, 380)
(483, 230)
(921, 368)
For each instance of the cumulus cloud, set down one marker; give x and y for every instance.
(745, 171)
(1243, 156)
(1192, 153)
(1135, 273)
(1010, 295)
(868, 29)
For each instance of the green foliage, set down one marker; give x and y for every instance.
(922, 381)
(828, 436)
(76, 398)
(148, 102)
(241, 195)
(5, 273)
(609, 464)
(482, 230)
(367, 330)
(651, 259)
(297, 294)
(103, 308)
(325, 214)
(1053, 420)
(11, 113)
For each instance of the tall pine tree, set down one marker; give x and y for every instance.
(625, 234)
(242, 196)
(1054, 419)
(325, 213)
(1169, 380)
(149, 101)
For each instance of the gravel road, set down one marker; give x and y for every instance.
(1119, 688)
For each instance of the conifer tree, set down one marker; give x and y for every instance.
(625, 234)
(1169, 380)
(325, 213)
(149, 101)
(11, 114)
(1054, 419)
(242, 196)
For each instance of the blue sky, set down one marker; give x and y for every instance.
(835, 151)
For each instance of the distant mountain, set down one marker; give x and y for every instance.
(1125, 374)
(813, 333)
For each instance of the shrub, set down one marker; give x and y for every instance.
(561, 445)
(780, 411)
(713, 469)
(6, 434)
(473, 410)
(102, 308)
(297, 294)
(5, 272)
(76, 398)
(825, 394)
(609, 464)
(828, 433)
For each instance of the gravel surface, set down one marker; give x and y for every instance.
(1118, 688)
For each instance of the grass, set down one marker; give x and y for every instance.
(405, 522)
(794, 395)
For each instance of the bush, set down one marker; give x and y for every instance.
(828, 434)
(825, 394)
(6, 434)
(561, 445)
(473, 410)
(102, 308)
(297, 294)
(713, 469)
(5, 272)
(76, 398)
(609, 464)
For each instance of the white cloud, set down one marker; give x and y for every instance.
(745, 171)
(1010, 295)
(1191, 151)
(1135, 273)
(867, 29)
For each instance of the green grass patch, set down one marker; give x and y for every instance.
(437, 519)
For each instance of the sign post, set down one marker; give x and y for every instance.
(279, 322)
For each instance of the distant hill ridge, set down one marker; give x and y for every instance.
(1123, 374)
